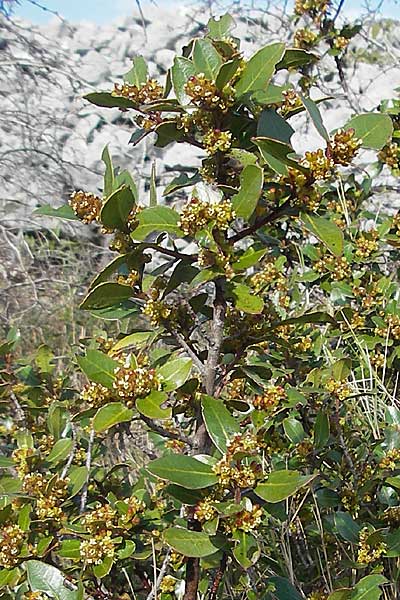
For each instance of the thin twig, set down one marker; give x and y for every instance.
(88, 465)
(153, 594)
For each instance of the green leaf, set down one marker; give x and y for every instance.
(150, 406)
(374, 129)
(69, 549)
(246, 301)
(60, 451)
(104, 567)
(219, 422)
(346, 526)
(226, 72)
(181, 71)
(174, 373)
(134, 339)
(313, 111)
(183, 180)
(251, 185)
(108, 173)
(62, 212)
(282, 484)
(167, 133)
(24, 517)
(295, 57)
(111, 414)
(153, 186)
(116, 209)
(284, 590)
(107, 100)
(127, 550)
(138, 74)
(321, 430)
(98, 367)
(6, 462)
(77, 478)
(183, 470)
(125, 179)
(246, 550)
(220, 28)
(249, 258)
(105, 295)
(293, 430)
(195, 544)
(276, 155)
(155, 219)
(328, 232)
(110, 269)
(272, 125)
(46, 578)
(368, 588)
(206, 59)
(259, 69)
(392, 541)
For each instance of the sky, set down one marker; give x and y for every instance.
(103, 11)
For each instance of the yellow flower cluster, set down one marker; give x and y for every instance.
(134, 508)
(270, 399)
(96, 395)
(392, 327)
(235, 389)
(133, 383)
(367, 243)
(233, 475)
(120, 243)
(344, 147)
(20, 457)
(86, 206)
(396, 223)
(94, 550)
(303, 194)
(320, 165)
(338, 267)
(205, 511)
(305, 39)
(207, 258)
(314, 8)
(148, 92)
(291, 102)
(11, 540)
(246, 520)
(269, 274)
(168, 584)
(216, 140)
(304, 344)
(34, 484)
(131, 279)
(339, 389)
(35, 596)
(390, 460)
(368, 553)
(392, 514)
(45, 443)
(49, 495)
(204, 93)
(243, 444)
(340, 42)
(390, 155)
(99, 519)
(157, 311)
(197, 214)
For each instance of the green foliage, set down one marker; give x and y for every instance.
(255, 344)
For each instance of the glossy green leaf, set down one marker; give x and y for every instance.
(60, 451)
(369, 588)
(249, 259)
(346, 526)
(374, 129)
(272, 125)
(6, 462)
(293, 430)
(62, 212)
(246, 301)
(104, 567)
(220, 424)
(326, 231)
(313, 110)
(246, 550)
(150, 406)
(108, 173)
(321, 430)
(276, 155)
(194, 544)
(156, 219)
(24, 517)
(115, 211)
(181, 71)
(153, 186)
(69, 549)
(218, 28)
(283, 590)
(183, 180)
(183, 470)
(206, 59)
(174, 373)
(226, 72)
(111, 414)
(77, 478)
(98, 367)
(281, 485)
(259, 69)
(138, 74)
(251, 185)
(105, 295)
(295, 57)
(107, 100)
(46, 578)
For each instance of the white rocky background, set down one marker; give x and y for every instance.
(51, 139)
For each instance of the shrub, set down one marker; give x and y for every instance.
(258, 343)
